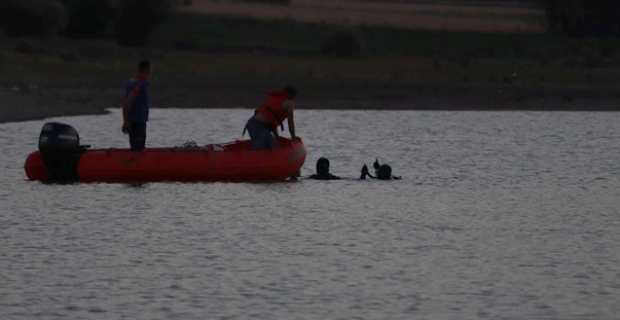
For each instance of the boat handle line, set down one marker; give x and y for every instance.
(209, 154)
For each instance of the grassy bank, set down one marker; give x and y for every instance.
(217, 33)
(189, 79)
(408, 15)
(70, 61)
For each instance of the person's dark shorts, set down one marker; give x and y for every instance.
(261, 135)
(137, 136)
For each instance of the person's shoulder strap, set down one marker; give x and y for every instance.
(136, 89)
(142, 81)
(275, 115)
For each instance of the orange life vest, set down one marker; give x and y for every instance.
(272, 107)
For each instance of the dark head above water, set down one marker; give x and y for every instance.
(322, 166)
(384, 172)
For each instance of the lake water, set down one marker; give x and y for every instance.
(500, 215)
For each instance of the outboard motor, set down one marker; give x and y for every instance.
(59, 145)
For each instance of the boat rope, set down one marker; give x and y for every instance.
(189, 145)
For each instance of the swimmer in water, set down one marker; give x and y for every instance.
(382, 172)
(322, 171)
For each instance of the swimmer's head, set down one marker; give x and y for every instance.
(322, 166)
(384, 172)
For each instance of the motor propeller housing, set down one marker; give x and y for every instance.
(59, 145)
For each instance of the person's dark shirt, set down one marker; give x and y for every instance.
(324, 176)
(138, 86)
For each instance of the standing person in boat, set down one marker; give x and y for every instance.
(263, 125)
(136, 106)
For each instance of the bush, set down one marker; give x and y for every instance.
(344, 44)
(583, 18)
(181, 3)
(136, 19)
(93, 50)
(23, 46)
(30, 46)
(36, 18)
(282, 2)
(88, 18)
(69, 57)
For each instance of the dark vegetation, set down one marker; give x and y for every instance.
(44, 18)
(282, 2)
(583, 18)
(88, 19)
(582, 33)
(136, 19)
(228, 34)
(132, 20)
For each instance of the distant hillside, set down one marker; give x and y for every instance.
(461, 15)
(503, 3)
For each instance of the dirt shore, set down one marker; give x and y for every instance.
(29, 104)
(45, 85)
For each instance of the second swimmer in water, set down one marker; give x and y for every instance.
(382, 172)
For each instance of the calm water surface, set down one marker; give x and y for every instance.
(501, 215)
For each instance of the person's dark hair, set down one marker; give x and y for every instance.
(291, 90)
(144, 65)
(322, 166)
(384, 172)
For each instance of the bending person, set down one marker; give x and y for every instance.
(263, 125)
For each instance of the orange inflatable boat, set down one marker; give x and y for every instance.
(61, 158)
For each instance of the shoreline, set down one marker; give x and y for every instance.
(19, 106)
(44, 85)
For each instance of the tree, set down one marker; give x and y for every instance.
(89, 19)
(136, 19)
(36, 18)
(583, 18)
